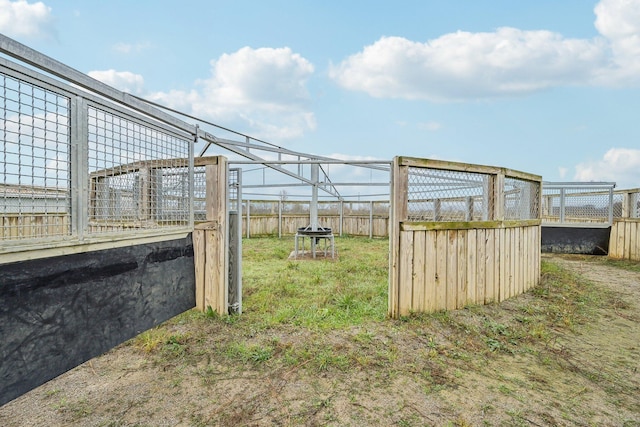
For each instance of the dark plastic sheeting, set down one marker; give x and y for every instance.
(56, 313)
(576, 240)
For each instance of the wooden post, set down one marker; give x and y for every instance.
(468, 215)
(497, 207)
(437, 205)
(399, 209)
(210, 243)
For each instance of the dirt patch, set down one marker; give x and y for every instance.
(585, 374)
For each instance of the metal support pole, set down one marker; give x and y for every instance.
(79, 168)
(313, 211)
(279, 219)
(248, 218)
(341, 217)
(562, 205)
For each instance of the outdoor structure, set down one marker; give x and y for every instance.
(98, 198)
(96, 218)
(461, 234)
(625, 231)
(110, 223)
(577, 217)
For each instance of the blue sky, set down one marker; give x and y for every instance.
(548, 87)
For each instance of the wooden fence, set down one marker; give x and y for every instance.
(440, 265)
(624, 241)
(278, 218)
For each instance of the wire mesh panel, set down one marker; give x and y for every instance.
(35, 149)
(551, 204)
(199, 193)
(521, 199)
(447, 195)
(626, 203)
(139, 174)
(578, 203)
(235, 191)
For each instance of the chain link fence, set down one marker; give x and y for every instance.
(521, 199)
(626, 203)
(577, 203)
(453, 195)
(447, 195)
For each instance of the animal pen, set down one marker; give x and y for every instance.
(111, 223)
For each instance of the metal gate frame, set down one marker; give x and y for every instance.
(234, 231)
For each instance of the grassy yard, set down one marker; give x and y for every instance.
(329, 318)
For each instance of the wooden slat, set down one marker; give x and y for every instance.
(634, 250)
(633, 241)
(441, 270)
(430, 293)
(452, 269)
(501, 255)
(462, 260)
(405, 295)
(627, 239)
(490, 267)
(527, 260)
(419, 273)
(621, 239)
(513, 249)
(613, 240)
(199, 261)
(520, 260)
(472, 266)
(481, 281)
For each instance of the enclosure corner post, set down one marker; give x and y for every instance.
(210, 242)
(399, 210)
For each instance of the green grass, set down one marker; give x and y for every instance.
(339, 308)
(329, 318)
(315, 294)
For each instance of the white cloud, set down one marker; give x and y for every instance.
(505, 62)
(123, 80)
(619, 22)
(128, 48)
(431, 126)
(620, 165)
(23, 19)
(261, 91)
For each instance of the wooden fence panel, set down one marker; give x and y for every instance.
(624, 240)
(352, 225)
(19, 227)
(450, 269)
